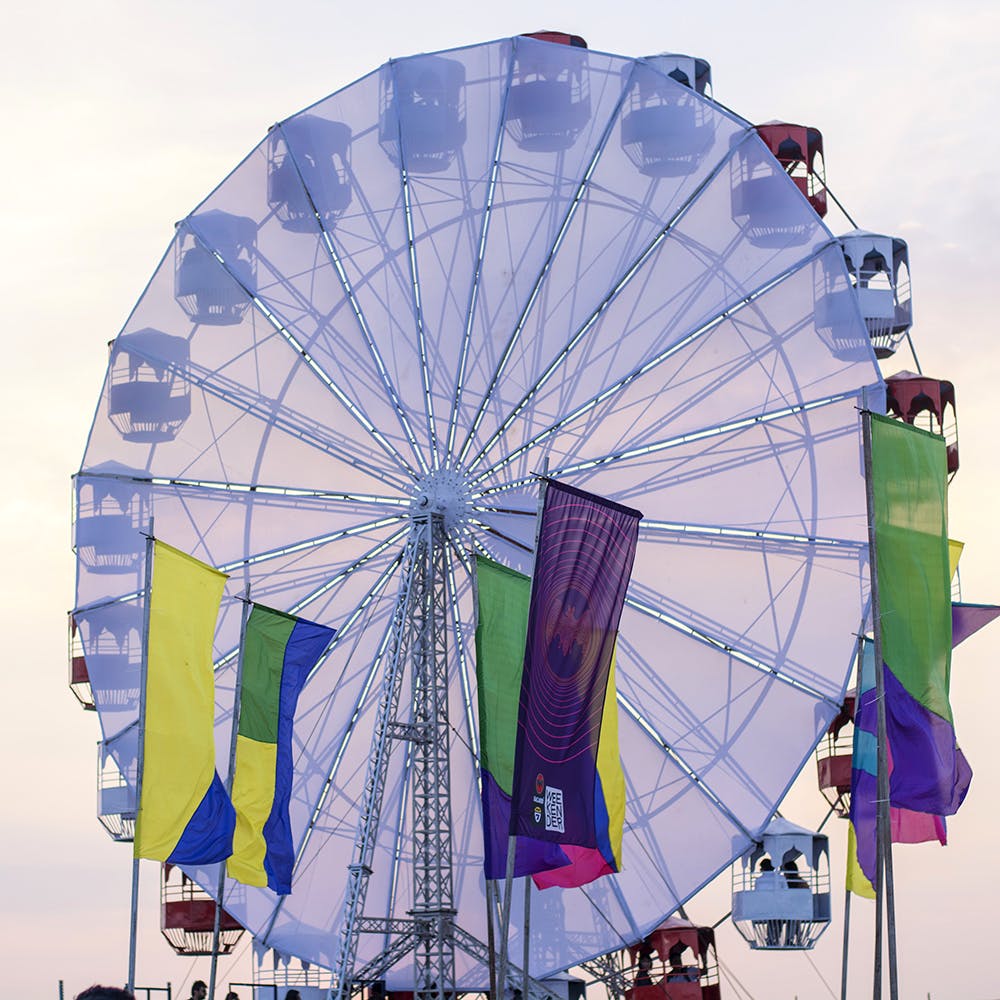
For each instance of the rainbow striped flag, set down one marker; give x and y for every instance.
(279, 652)
(185, 816)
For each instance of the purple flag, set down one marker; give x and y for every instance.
(586, 547)
(968, 619)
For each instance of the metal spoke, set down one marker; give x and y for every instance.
(610, 391)
(311, 363)
(634, 268)
(359, 314)
(543, 273)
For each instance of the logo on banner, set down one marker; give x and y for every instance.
(554, 819)
(539, 783)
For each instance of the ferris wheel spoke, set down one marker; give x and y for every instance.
(706, 433)
(654, 530)
(477, 271)
(330, 245)
(318, 806)
(650, 730)
(414, 280)
(609, 392)
(464, 670)
(536, 285)
(329, 583)
(693, 776)
(627, 456)
(678, 625)
(272, 413)
(622, 282)
(311, 363)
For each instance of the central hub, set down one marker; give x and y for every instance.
(445, 492)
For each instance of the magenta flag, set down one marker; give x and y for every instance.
(586, 547)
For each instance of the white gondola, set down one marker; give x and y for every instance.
(781, 889)
(667, 124)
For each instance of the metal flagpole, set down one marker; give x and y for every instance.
(491, 935)
(883, 876)
(847, 896)
(505, 918)
(847, 930)
(527, 934)
(140, 755)
(217, 925)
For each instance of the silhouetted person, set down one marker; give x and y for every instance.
(105, 993)
(642, 976)
(199, 990)
(767, 877)
(791, 872)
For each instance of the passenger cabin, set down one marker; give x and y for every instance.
(111, 511)
(79, 679)
(833, 758)
(422, 112)
(676, 961)
(781, 889)
(215, 267)
(928, 403)
(149, 397)
(309, 173)
(667, 122)
(116, 807)
(110, 636)
(758, 183)
(549, 101)
(879, 267)
(187, 916)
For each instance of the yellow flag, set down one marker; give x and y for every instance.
(179, 778)
(856, 881)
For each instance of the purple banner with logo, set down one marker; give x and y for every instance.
(586, 547)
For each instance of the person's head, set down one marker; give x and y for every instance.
(232, 995)
(105, 993)
(766, 865)
(293, 995)
(790, 866)
(645, 961)
(198, 990)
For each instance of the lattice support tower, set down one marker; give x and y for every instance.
(433, 909)
(419, 638)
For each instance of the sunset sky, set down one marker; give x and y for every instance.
(122, 116)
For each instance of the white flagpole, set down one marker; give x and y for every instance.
(140, 755)
(237, 692)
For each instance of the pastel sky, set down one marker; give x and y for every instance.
(121, 116)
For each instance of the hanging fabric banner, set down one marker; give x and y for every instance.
(909, 484)
(501, 624)
(184, 816)
(279, 651)
(906, 825)
(583, 561)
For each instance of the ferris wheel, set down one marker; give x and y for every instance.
(339, 386)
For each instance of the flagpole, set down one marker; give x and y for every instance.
(505, 914)
(140, 755)
(237, 692)
(884, 887)
(491, 943)
(512, 841)
(847, 892)
(527, 934)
